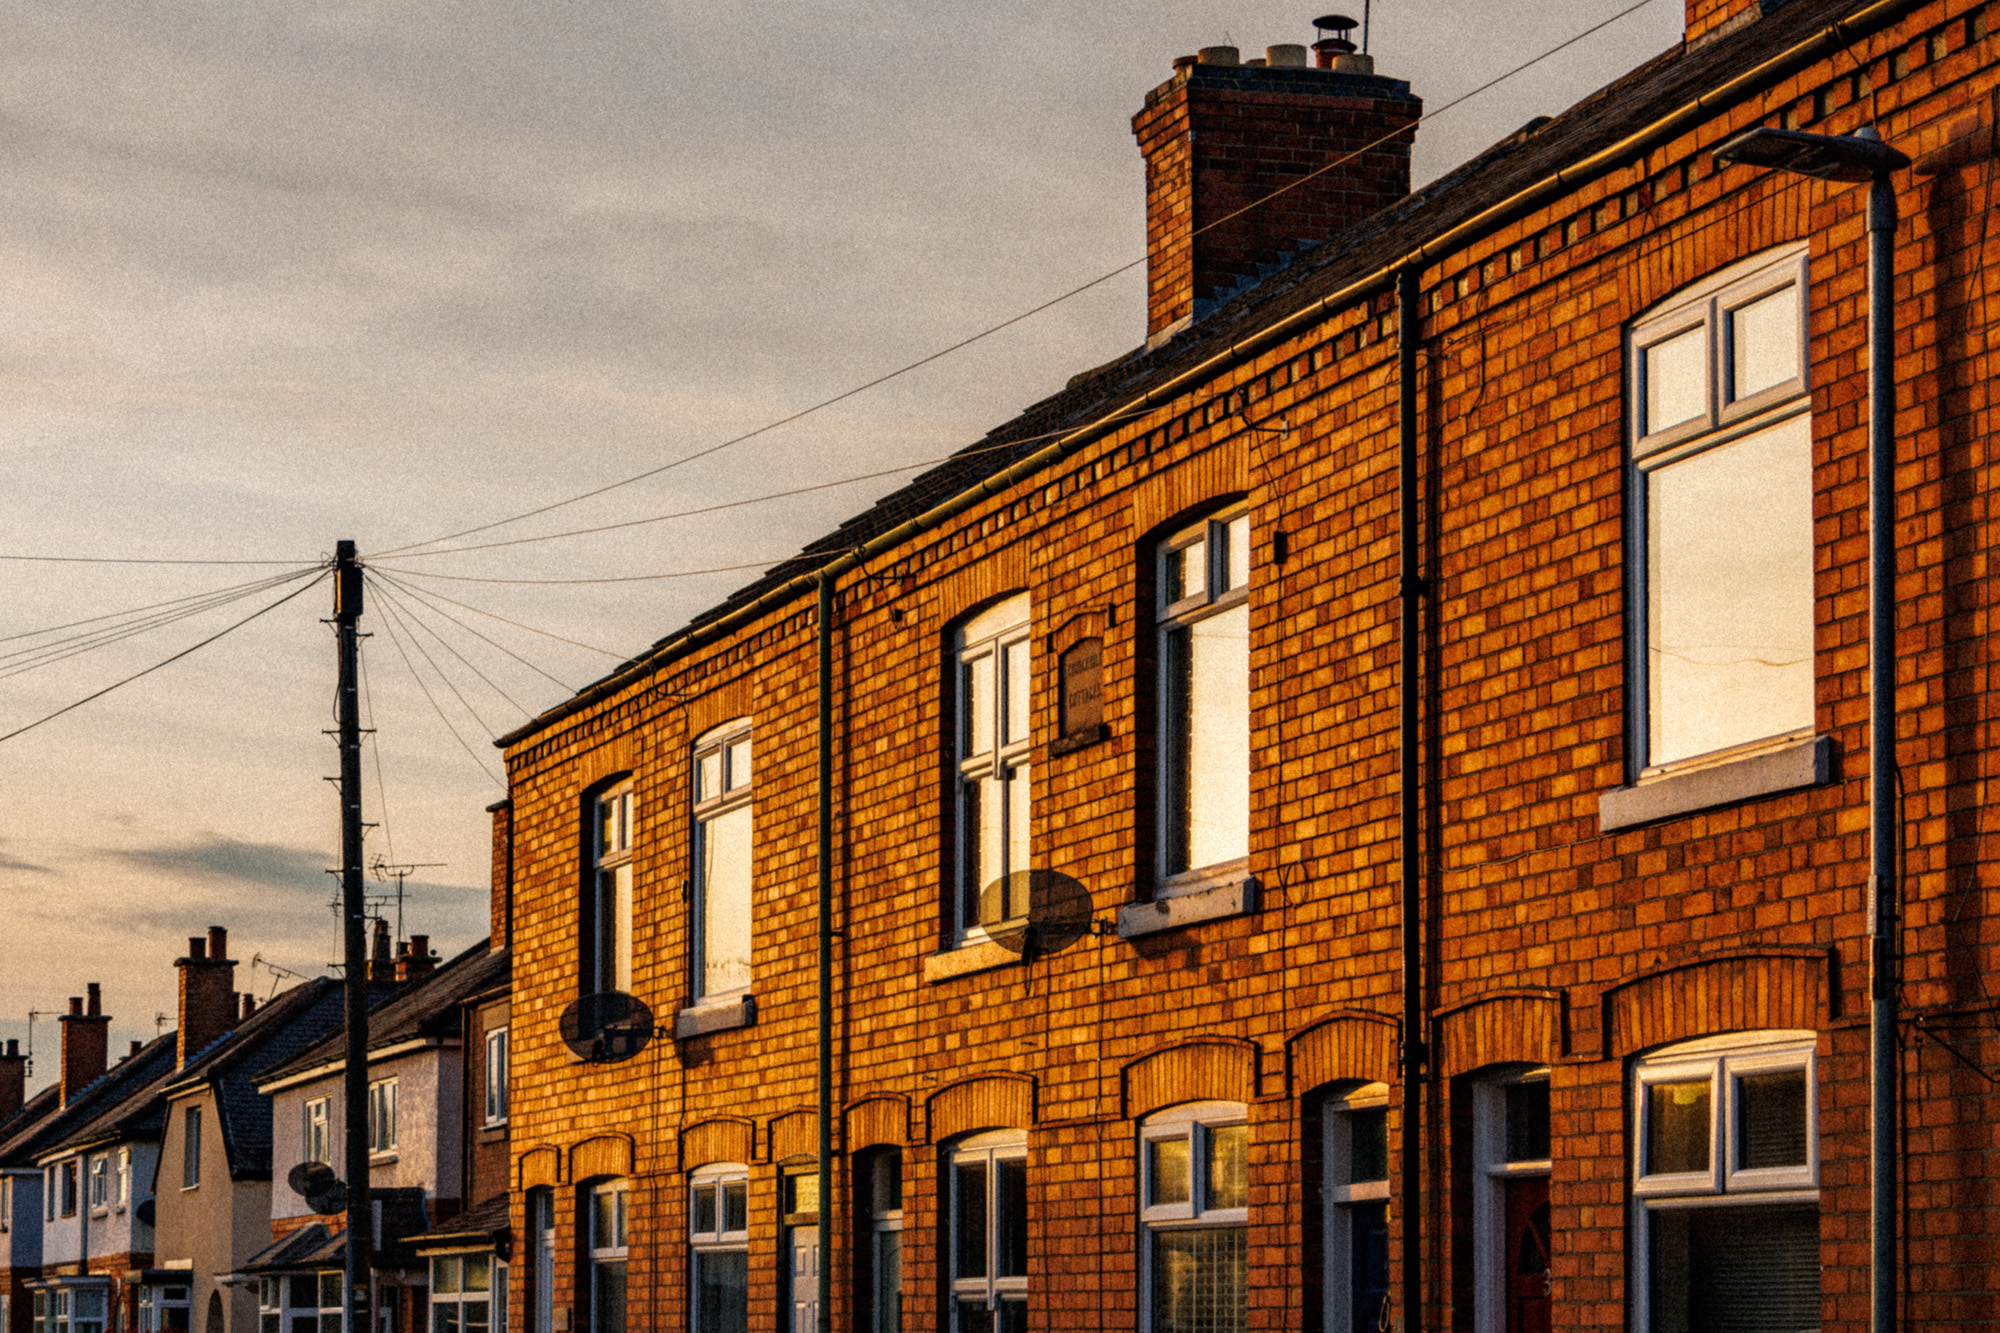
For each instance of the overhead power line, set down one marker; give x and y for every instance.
(987, 332)
(139, 560)
(164, 662)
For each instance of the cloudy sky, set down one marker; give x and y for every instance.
(274, 275)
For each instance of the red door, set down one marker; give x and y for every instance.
(1528, 1255)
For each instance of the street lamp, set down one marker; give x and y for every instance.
(1862, 156)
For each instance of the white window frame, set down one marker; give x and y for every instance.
(382, 1115)
(274, 1293)
(613, 819)
(716, 1178)
(494, 1297)
(1723, 420)
(1491, 1169)
(1339, 1196)
(983, 1150)
(98, 1174)
(1721, 1060)
(316, 1144)
(881, 1222)
(156, 1300)
(1001, 635)
(6, 1206)
(122, 1181)
(1226, 586)
(730, 748)
(1195, 1123)
(495, 1076)
(606, 1251)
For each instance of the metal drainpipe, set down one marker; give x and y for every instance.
(825, 1297)
(1884, 829)
(1410, 592)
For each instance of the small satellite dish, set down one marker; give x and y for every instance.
(1058, 911)
(606, 1027)
(315, 1182)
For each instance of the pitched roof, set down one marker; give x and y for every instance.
(125, 1099)
(490, 1222)
(288, 1024)
(1453, 206)
(403, 1215)
(426, 1009)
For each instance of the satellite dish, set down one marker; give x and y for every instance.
(1058, 911)
(606, 1027)
(315, 1182)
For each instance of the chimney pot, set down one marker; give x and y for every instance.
(95, 1004)
(249, 1004)
(13, 1081)
(136, 1047)
(76, 1006)
(13, 1048)
(1288, 55)
(380, 966)
(218, 943)
(197, 947)
(1221, 55)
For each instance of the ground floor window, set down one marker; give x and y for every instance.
(70, 1310)
(164, 1310)
(878, 1173)
(988, 1225)
(719, 1236)
(468, 1294)
(801, 1251)
(607, 1257)
(1195, 1211)
(300, 1303)
(1725, 1167)
(1354, 1192)
(1511, 1241)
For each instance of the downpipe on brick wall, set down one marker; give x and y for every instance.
(1410, 590)
(824, 1297)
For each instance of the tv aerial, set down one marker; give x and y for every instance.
(607, 1027)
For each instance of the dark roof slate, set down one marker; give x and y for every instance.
(126, 1099)
(427, 1008)
(488, 1221)
(1645, 94)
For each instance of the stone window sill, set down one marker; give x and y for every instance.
(1235, 896)
(1807, 762)
(966, 959)
(698, 1020)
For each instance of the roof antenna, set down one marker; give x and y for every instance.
(1366, 5)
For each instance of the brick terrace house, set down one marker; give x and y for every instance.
(1129, 677)
(417, 1163)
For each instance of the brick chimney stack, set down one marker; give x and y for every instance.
(13, 1081)
(413, 959)
(208, 994)
(1221, 135)
(1707, 18)
(86, 1035)
(381, 967)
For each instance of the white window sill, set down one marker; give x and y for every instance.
(1233, 895)
(963, 961)
(1700, 785)
(719, 1014)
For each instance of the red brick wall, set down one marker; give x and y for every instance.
(1551, 941)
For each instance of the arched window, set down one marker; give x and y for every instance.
(987, 1225)
(1725, 1184)
(1194, 1208)
(993, 730)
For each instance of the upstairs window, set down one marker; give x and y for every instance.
(994, 730)
(121, 1184)
(496, 1076)
(988, 1240)
(1204, 654)
(100, 1183)
(719, 1235)
(69, 1184)
(722, 858)
(1723, 499)
(1725, 1162)
(190, 1148)
(382, 1116)
(1195, 1211)
(608, 966)
(318, 1131)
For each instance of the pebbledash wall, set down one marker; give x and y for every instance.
(1558, 936)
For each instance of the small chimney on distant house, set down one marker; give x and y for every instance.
(381, 967)
(86, 1032)
(13, 1081)
(413, 959)
(249, 1004)
(208, 994)
(1222, 138)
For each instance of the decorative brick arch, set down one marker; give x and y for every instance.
(990, 1101)
(1736, 990)
(1214, 1069)
(874, 1122)
(723, 1139)
(539, 1166)
(605, 1155)
(1349, 1044)
(1524, 1025)
(794, 1134)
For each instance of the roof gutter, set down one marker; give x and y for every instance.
(1833, 37)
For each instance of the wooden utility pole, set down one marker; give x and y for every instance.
(354, 919)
